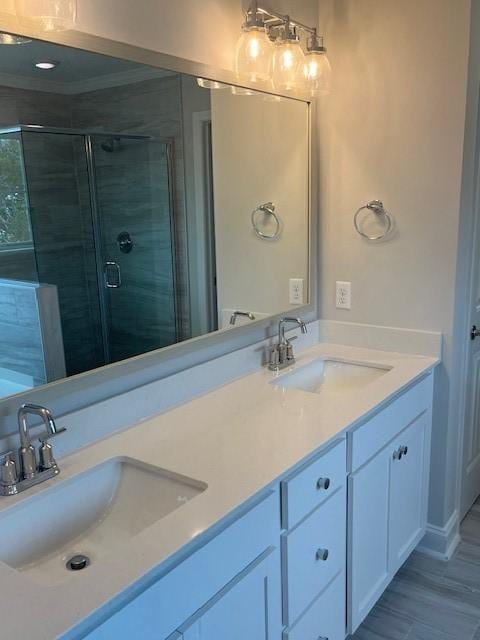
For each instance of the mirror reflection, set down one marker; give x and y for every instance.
(139, 208)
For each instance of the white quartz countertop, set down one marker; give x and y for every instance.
(238, 439)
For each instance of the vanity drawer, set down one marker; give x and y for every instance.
(326, 618)
(308, 487)
(372, 436)
(312, 554)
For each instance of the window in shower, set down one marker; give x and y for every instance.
(15, 230)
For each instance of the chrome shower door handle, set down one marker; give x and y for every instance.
(110, 269)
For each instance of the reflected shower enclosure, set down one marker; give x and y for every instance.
(92, 213)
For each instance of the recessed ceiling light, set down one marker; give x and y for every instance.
(46, 64)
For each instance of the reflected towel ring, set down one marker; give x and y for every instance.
(267, 209)
(376, 206)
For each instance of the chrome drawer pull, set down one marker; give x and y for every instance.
(321, 554)
(323, 483)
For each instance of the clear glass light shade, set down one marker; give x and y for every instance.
(253, 58)
(317, 73)
(288, 63)
(52, 15)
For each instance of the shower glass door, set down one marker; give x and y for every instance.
(132, 207)
(63, 240)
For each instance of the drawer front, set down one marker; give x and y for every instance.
(325, 619)
(313, 554)
(372, 436)
(160, 610)
(308, 487)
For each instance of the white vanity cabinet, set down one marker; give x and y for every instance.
(388, 494)
(311, 557)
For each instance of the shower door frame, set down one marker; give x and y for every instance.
(88, 135)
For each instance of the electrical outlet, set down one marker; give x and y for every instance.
(296, 290)
(344, 295)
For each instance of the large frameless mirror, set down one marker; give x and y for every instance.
(139, 208)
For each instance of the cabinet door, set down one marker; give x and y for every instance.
(408, 478)
(368, 536)
(248, 607)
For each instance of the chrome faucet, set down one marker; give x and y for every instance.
(244, 314)
(281, 355)
(29, 472)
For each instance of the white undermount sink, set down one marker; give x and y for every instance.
(331, 375)
(89, 514)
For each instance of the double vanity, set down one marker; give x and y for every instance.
(279, 505)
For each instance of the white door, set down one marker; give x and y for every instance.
(406, 504)
(368, 497)
(248, 608)
(471, 441)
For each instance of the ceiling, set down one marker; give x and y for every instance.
(76, 72)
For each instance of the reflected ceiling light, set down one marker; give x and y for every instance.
(317, 69)
(9, 38)
(253, 56)
(288, 61)
(270, 51)
(52, 15)
(46, 64)
(210, 84)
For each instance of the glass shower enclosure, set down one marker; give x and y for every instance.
(93, 214)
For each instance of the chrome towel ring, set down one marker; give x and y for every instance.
(376, 207)
(267, 209)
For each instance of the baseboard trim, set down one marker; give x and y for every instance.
(442, 542)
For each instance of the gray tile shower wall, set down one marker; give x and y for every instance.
(31, 342)
(21, 106)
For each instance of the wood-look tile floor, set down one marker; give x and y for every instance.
(431, 599)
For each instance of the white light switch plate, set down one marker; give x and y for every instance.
(296, 290)
(344, 295)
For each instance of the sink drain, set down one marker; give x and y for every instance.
(78, 562)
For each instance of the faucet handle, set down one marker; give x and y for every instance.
(8, 469)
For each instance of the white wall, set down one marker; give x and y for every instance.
(393, 129)
(260, 154)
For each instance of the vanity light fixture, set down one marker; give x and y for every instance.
(253, 58)
(52, 15)
(269, 51)
(288, 60)
(46, 65)
(10, 38)
(317, 69)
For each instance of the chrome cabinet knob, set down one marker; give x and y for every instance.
(323, 483)
(400, 452)
(321, 554)
(474, 332)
